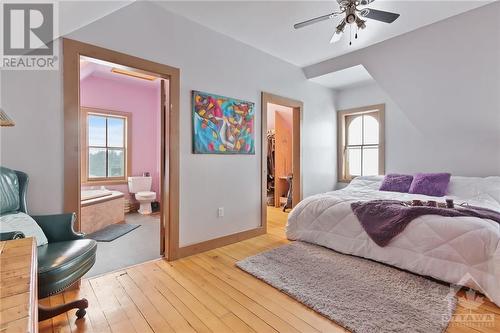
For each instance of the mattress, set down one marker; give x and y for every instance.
(462, 251)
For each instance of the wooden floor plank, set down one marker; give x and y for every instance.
(161, 303)
(280, 309)
(236, 324)
(182, 308)
(60, 323)
(200, 306)
(148, 311)
(134, 315)
(207, 293)
(115, 315)
(94, 313)
(198, 276)
(311, 317)
(81, 325)
(270, 318)
(46, 325)
(174, 278)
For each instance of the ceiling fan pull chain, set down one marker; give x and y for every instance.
(350, 34)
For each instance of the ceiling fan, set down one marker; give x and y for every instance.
(353, 15)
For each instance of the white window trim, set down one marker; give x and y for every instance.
(342, 135)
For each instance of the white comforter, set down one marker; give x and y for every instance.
(458, 250)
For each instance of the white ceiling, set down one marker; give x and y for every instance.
(345, 78)
(100, 69)
(268, 26)
(74, 14)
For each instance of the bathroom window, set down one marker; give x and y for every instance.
(361, 142)
(105, 158)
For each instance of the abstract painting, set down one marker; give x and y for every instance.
(222, 125)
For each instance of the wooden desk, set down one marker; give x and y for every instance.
(18, 286)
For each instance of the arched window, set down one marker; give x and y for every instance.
(361, 142)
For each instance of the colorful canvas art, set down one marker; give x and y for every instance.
(222, 125)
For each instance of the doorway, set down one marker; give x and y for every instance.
(99, 144)
(120, 155)
(281, 161)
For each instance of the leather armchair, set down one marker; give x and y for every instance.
(67, 256)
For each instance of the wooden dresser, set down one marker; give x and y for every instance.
(18, 286)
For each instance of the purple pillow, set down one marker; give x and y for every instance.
(394, 182)
(433, 184)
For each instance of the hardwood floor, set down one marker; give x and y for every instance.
(205, 293)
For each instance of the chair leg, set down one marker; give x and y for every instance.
(46, 312)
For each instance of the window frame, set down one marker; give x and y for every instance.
(342, 115)
(86, 180)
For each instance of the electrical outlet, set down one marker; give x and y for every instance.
(220, 212)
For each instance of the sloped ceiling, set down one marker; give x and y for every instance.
(76, 14)
(268, 25)
(344, 78)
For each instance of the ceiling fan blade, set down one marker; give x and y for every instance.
(314, 20)
(379, 15)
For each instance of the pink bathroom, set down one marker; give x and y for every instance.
(120, 162)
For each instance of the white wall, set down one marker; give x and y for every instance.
(405, 143)
(35, 144)
(209, 62)
(445, 78)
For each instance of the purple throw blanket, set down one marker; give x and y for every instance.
(385, 219)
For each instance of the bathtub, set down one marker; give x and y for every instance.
(94, 194)
(100, 208)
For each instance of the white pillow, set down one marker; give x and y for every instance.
(366, 182)
(25, 224)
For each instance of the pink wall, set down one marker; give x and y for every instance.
(140, 98)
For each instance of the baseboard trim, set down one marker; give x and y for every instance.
(190, 250)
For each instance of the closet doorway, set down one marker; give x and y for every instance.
(281, 161)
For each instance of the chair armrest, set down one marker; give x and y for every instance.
(11, 235)
(58, 228)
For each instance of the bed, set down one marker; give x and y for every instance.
(458, 250)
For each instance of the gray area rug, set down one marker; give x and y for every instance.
(358, 294)
(118, 254)
(112, 232)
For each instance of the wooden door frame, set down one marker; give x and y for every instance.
(297, 107)
(72, 50)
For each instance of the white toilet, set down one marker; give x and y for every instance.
(141, 186)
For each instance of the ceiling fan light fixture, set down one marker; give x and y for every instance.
(352, 15)
(336, 37)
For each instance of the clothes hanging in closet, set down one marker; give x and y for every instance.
(270, 161)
